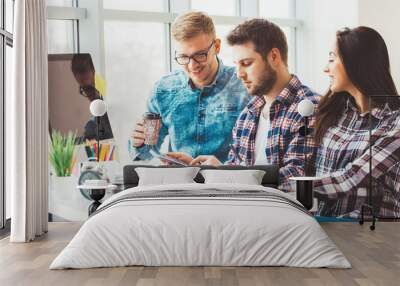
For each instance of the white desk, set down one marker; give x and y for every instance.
(67, 202)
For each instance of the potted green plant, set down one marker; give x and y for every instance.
(62, 153)
(62, 158)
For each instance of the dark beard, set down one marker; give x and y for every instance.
(267, 81)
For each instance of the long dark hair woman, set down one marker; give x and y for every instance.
(362, 95)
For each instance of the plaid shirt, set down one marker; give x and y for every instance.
(285, 146)
(343, 163)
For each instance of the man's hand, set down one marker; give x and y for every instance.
(138, 134)
(206, 160)
(181, 156)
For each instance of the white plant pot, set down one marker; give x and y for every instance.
(65, 200)
(64, 188)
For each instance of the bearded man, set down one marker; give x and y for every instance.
(268, 129)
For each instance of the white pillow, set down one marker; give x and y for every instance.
(248, 177)
(166, 176)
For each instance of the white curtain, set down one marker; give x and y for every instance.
(28, 123)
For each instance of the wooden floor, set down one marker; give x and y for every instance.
(375, 257)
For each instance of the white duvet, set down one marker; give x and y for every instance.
(200, 231)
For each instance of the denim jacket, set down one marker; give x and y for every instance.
(198, 121)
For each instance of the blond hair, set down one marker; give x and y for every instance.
(192, 24)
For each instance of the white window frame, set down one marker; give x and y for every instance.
(6, 39)
(72, 13)
(95, 25)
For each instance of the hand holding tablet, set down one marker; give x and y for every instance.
(172, 158)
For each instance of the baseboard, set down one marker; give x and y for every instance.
(55, 218)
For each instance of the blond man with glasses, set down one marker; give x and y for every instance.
(198, 104)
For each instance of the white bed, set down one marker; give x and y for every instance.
(184, 230)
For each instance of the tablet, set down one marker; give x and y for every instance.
(168, 159)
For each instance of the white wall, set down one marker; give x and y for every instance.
(384, 16)
(322, 18)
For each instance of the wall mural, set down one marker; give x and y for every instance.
(180, 124)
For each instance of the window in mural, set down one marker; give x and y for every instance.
(136, 5)
(222, 8)
(61, 36)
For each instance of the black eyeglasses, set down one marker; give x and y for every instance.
(87, 91)
(198, 57)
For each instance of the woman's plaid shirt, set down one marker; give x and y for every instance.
(343, 163)
(285, 146)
